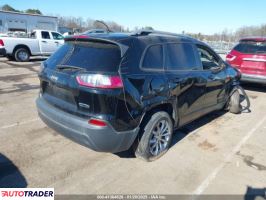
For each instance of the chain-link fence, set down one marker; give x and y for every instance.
(221, 47)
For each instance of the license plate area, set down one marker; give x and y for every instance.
(60, 93)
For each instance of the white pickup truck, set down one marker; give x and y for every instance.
(39, 43)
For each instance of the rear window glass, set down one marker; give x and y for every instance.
(92, 56)
(251, 47)
(153, 58)
(180, 57)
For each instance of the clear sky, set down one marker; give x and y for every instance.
(205, 16)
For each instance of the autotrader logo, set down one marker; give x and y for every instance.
(26, 193)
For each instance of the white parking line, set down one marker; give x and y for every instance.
(19, 123)
(203, 186)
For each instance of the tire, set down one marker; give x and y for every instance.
(234, 103)
(22, 55)
(153, 137)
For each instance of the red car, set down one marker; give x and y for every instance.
(249, 57)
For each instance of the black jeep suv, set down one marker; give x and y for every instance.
(112, 91)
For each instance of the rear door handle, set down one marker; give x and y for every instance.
(56, 42)
(44, 41)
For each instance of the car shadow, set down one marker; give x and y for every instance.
(181, 133)
(255, 193)
(126, 154)
(10, 175)
(191, 128)
(22, 87)
(254, 87)
(38, 59)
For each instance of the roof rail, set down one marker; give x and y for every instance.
(144, 32)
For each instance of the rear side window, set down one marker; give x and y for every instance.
(180, 56)
(58, 57)
(92, 56)
(251, 47)
(45, 35)
(153, 58)
(33, 35)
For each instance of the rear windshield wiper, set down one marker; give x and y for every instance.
(70, 67)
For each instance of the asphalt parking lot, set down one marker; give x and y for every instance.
(221, 153)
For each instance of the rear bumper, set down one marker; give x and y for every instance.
(2, 52)
(104, 139)
(253, 78)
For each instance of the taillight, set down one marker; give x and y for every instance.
(2, 43)
(230, 57)
(99, 81)
(97, 122)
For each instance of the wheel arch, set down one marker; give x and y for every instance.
(21, 46)
(168, 107)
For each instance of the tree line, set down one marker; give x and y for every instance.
(87, 24)
(7, 7)
(81, 24)
(78, 23)
(233, 36)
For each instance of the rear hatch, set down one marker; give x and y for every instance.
(251, 56)
(82, 77)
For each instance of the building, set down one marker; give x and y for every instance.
(22, 22)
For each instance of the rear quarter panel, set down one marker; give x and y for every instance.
(11, 43)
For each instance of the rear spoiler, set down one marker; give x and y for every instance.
(253, 39)
(123, 48)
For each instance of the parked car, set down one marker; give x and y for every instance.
(40, 43)
(115, 91)
(3, 35)
(2, 48)
(249, 57)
